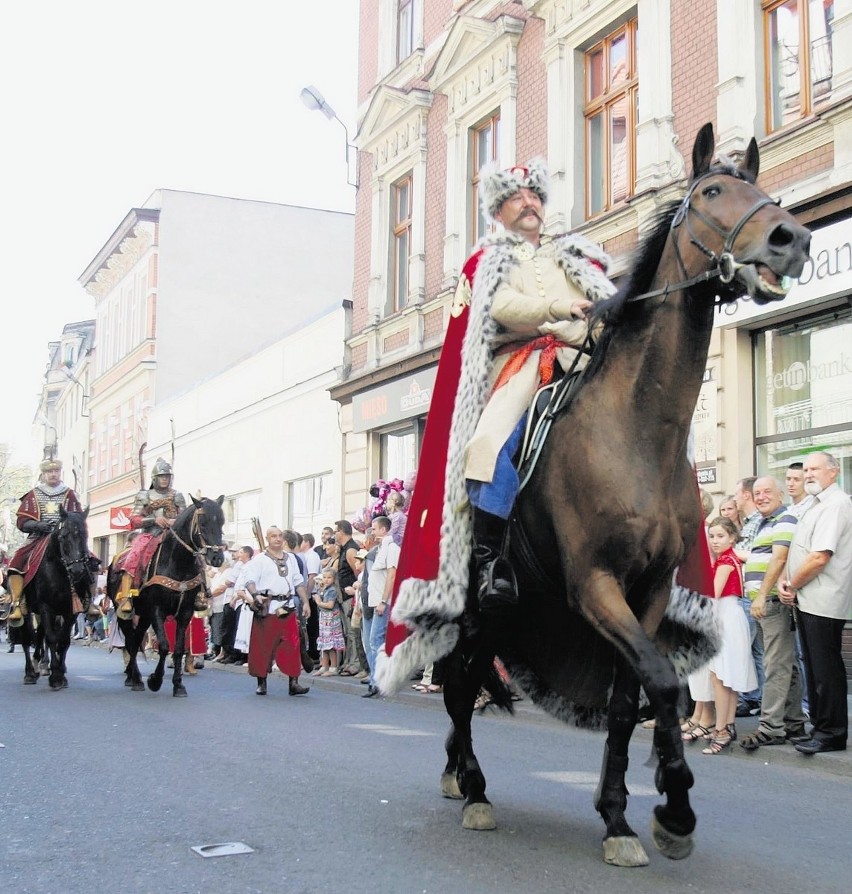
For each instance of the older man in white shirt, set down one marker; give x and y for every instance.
(276, 589)
(819, 582)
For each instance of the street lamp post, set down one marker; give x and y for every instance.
(316, 102)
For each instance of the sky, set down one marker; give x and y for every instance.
(105, 102)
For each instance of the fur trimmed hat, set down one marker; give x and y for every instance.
(51, 465)
(495, 185)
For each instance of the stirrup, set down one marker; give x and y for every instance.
(498, 589)
(16, 615)
(124, 608)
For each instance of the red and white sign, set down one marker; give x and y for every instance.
(119, 518)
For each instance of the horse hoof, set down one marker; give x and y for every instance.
(56, 686)
(138, 687)
(154, 684)
(478, 816)
(128, 681)
(179, 692)
(669, 844)
(624, 850)
(450, 786)
(30, 681)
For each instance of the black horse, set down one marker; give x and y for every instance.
(169, 584)
(64, 571)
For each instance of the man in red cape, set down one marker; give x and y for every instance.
(433, 599)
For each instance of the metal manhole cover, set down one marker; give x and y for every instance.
(226, 849)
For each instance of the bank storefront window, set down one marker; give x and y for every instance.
(803, 393)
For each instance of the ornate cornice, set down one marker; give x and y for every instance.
(121, 261)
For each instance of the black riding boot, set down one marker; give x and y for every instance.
(497, 588)
(261, 686)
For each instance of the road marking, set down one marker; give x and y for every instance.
(385, 730)
(589, 782)
(91, 679)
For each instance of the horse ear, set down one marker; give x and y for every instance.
(221, 499)
(62, 513)
(86, 512)
(751, 162)
(197, 502)
(702, 151)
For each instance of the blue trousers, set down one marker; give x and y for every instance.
(497, 496)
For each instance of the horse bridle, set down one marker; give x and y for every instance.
(725, 264)
(83, 560)
(195, 529)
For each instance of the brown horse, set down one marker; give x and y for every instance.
(614, 495)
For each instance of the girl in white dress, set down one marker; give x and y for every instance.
(732, 668)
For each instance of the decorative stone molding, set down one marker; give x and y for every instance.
(122, 261)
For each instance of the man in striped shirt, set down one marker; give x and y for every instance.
(781, 715)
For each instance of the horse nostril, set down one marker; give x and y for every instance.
(782, 236)
(787, 235)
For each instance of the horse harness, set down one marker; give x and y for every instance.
(176, 586)
(725, 264)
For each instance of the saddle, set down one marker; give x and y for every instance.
(547, 403)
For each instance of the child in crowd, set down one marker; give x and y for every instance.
(728, 509)
(330, 642)
(732, 669)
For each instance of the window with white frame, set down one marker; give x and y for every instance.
(239, 511)
(310, 503)
(484, 143)
(401, 197)
(798, 41)
(610, 112)
(405, 13)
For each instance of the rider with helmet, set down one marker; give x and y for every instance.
(154, 512)
(38, 515)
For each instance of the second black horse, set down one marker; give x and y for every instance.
(170, 581)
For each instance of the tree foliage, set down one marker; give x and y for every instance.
(15, 481)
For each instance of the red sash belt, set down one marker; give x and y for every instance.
(547, 344)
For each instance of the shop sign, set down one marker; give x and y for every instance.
(393, 401)
(828, 271)
(119, 518)
(704, 427)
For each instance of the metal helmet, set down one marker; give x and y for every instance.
(161, 467)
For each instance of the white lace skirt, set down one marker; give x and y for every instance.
(734, 665)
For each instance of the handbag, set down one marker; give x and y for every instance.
(94, 612)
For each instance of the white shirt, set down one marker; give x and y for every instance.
(263, 573)
(387, 557)
(825, 526)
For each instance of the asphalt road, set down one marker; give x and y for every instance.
(108, 790)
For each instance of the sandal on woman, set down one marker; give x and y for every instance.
(718, 742)
(732, 731)
(686, 727)
(420, 687)
(698, 732)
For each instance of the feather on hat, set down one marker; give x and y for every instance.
(496, 185)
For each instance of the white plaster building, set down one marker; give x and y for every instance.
(201, 299)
